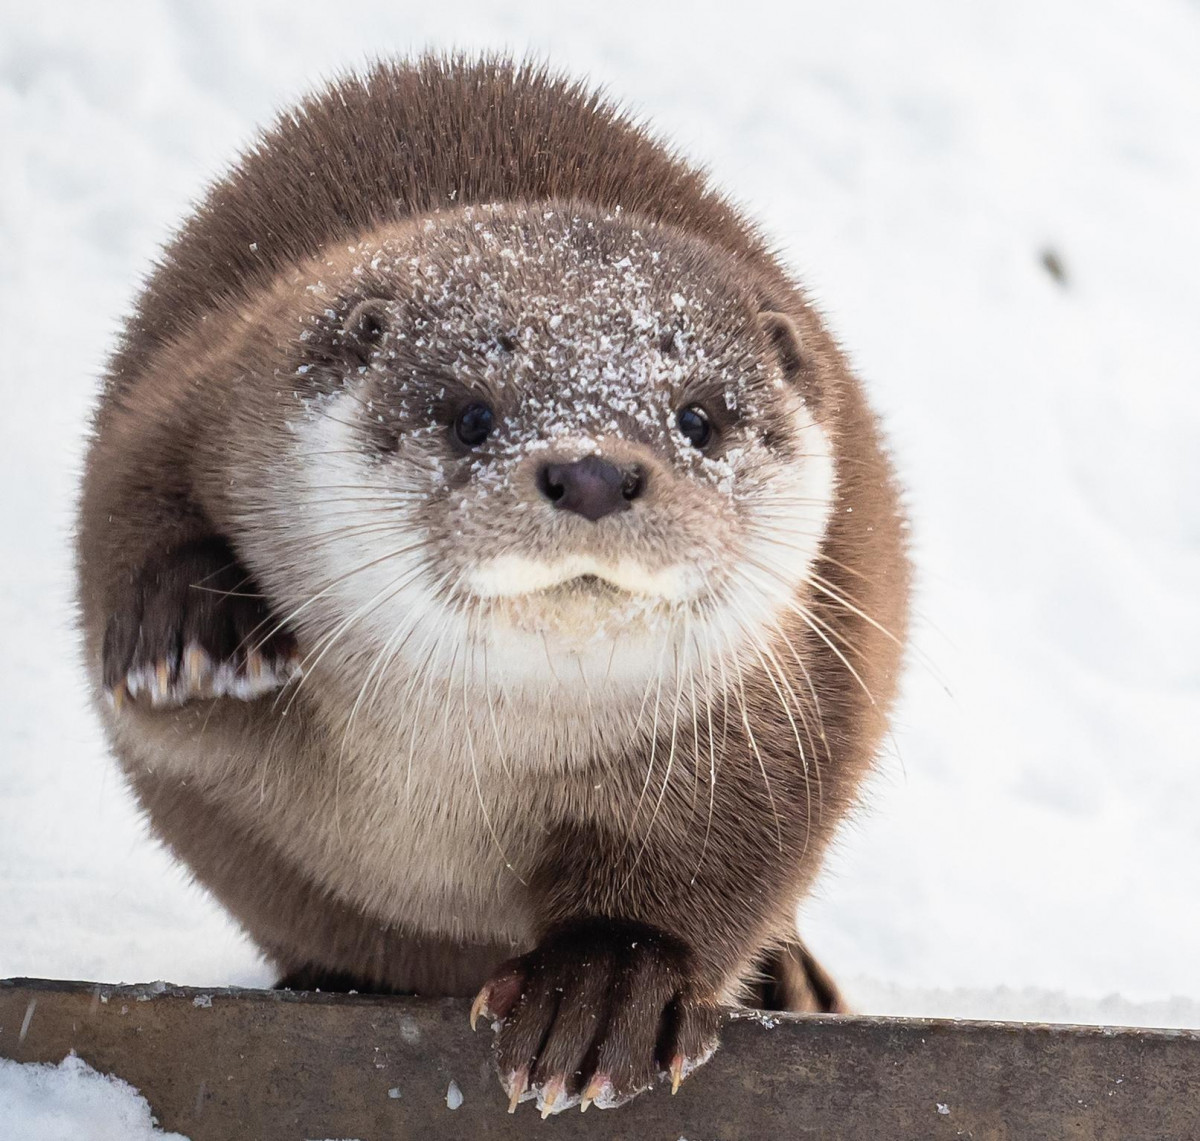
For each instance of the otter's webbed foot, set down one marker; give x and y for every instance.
(194, 626)
(595, 1014)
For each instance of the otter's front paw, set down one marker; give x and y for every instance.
(193, 626)
(595, 1014)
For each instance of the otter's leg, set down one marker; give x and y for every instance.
(640, 940)
(192, 624)
(790, 979)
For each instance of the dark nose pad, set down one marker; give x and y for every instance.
(591, 487)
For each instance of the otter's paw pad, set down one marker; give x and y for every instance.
(596, 1014)
(193, 627)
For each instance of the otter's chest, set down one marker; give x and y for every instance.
(420, 826)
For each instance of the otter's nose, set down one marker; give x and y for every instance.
(591, 487)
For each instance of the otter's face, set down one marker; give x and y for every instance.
(536, 444)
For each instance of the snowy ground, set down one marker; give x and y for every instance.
(1031, 846)
(72, 1102)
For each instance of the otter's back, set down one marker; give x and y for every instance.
(404, 139)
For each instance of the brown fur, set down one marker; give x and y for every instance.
(189, 420)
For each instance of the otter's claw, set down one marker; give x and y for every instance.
(550, 1094)
(197, 677)
(676, 1072)
(480, 1007)
(193, 626)
(599, 1087)
(518, 1085)
(595, 1014)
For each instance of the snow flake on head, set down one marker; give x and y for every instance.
(580, 328)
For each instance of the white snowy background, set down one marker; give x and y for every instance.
(1031, 846)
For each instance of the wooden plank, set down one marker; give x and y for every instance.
(228, 1065)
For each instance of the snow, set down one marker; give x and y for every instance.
(1029, 847)
(72, 1102)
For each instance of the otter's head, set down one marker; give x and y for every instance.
(540, 445)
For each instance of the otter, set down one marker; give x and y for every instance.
(492, 579)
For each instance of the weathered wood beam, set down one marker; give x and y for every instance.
(248, 1065)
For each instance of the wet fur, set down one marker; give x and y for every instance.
(425, 876)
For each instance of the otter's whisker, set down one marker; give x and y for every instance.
(653, 742)
(712, 759)
(470, 738)
(750, 739)
(501, 751)
(666, 774)
(775, 680)
(329, 585)
(816, 626)
(326, 642)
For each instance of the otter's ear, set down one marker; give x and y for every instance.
(784, 338)
(365, 328)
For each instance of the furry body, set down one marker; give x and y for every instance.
(404, 717)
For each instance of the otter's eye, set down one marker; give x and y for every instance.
(695, 425)
(474, 425)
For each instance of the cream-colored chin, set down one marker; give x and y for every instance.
(515, 576)
(573, 620)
